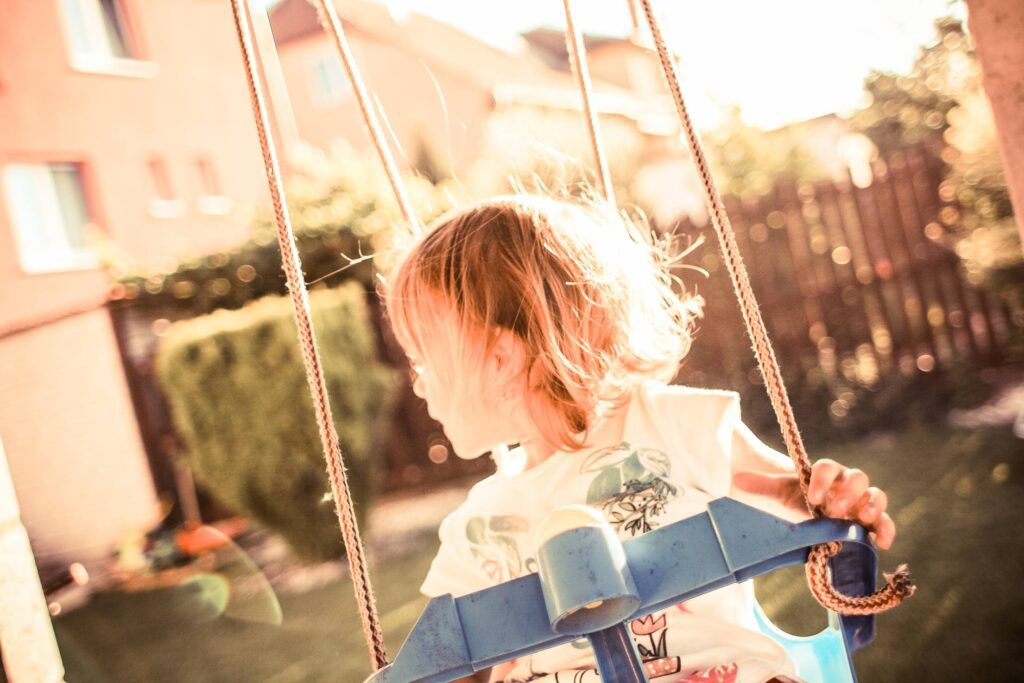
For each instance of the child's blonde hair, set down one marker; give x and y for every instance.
(587, 292)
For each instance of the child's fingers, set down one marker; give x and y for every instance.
(885, 532)
(871, 506)
(823, 474)
(845, 492)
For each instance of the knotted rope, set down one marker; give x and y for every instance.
(898, 585)
(310, 355)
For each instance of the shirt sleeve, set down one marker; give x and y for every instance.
(698, 426)
(751, 453)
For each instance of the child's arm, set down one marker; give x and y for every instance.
(760, 474)
(483, 676)
(495, 674)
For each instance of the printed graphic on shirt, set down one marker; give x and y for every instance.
(650, 635)
(653, 649)
(494, 543)
(631, 485)
(725, 673)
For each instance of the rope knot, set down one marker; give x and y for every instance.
(898, 586)
(900, 582)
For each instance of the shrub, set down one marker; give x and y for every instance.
(239, 400)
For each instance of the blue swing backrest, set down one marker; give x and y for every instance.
(728, 543)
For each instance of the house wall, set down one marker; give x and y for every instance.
(195, 106)
(422, 101)
(73, 449)
(76, 458)
(627, 66)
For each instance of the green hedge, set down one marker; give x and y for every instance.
(239, 400)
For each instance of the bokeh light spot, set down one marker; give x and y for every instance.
(246, 273)
(183, 289)
(842, 255)
(438, 453)
(160, 326)
(839, 408)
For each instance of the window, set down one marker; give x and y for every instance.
(100, 39)
(330, 84)
(164, 203)
(212, 201)
(161, 181)
(49, 215)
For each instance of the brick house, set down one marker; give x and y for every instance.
(126, 130)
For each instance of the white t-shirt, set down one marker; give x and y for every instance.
(674, 457)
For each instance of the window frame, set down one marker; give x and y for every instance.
(165, 204)
(212, 201)
(326, 65)
(57, 255)
(134, 65)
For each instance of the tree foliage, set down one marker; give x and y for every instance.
(939, 106)
(748, 161)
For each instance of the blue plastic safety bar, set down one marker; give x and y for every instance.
(729, 543)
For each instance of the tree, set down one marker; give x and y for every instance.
(940, 107)
(747, 161)
(911, 109)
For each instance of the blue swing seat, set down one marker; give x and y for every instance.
(821, 658)
(728, 543)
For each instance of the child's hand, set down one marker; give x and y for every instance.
(839, 491)
(847, 493)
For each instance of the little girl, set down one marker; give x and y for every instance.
(553, 327)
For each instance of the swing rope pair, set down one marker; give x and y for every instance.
(336, 473)
(898, 585)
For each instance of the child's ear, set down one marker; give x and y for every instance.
(509, 355)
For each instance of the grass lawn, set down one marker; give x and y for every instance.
(958, 501)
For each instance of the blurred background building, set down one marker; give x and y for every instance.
(127, 134)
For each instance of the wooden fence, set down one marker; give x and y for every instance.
(855, 283)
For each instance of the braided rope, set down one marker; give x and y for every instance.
(898, 585)
(578, 52)
(310, 355)
(329, 20)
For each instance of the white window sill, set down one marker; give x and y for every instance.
(58, 262)
(164, 209)
(114, 66)
(211, 205)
